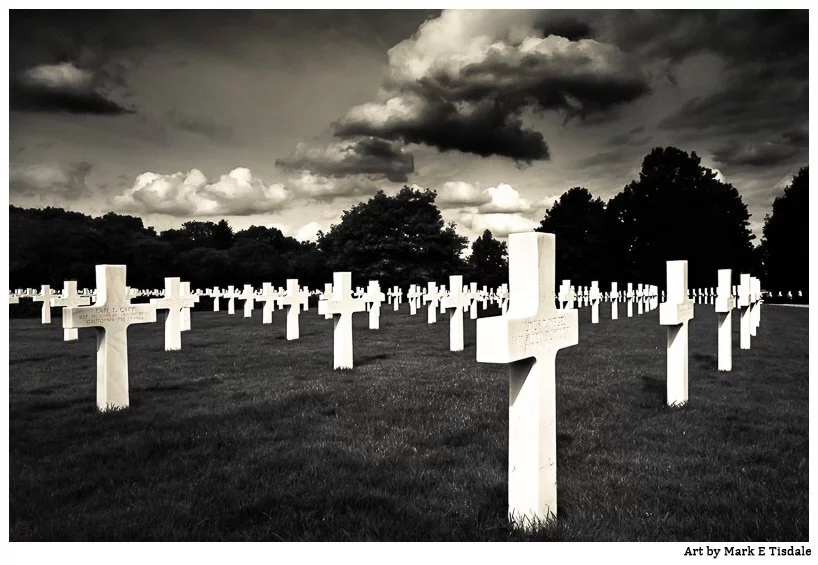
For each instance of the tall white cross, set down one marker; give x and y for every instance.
(184, 289)
(293, 301)
(341, 306)
(231, 294)
(322, 301)
(455, 303)
(433, 298)
(269, 296)
(473, 296)
(614, 303)
(374, 297)
(111, 315)
(528, 339)
(249, 297)
(629, 297)
(724, 308)
(412, 295)
(45, 296)
(215, 293)
(755, 305)
(744, 304)
(675, 314)
(593, 296)
(173, 303)
(70, 299)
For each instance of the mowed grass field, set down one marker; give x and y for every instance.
(244, 435)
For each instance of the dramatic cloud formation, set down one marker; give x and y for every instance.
(504, 200)
(47, 181)
(237, 193)
(367, 155)
(319, 187)
(457, 194)
(500, 199)
(464, 79)
(60, 88)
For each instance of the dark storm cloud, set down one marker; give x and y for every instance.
(34, 98)
(100, 44)
(46, 180)
(764, 86)
(790, 146)
(366, 155)
(487, 129)
(464, 80)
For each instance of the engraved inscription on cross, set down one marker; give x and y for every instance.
(528, 338)
(70, 298)
(111, 314)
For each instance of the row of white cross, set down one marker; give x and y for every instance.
(526, 337)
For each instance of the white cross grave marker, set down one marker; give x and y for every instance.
(373, 296)
(269, 296)
(70, 299)
(293, 300)
(528, 339)
(111, 315)
(341, 306)
(455, 303)
(593, 296)
(173, 302)
(432, 296)
(724, 307)
(184, 289)
(614, 299)
(744, 304)
(45, 296)
(676, 313)
(249, 297)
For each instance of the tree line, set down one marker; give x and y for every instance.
(676, 209)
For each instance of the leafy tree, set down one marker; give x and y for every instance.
(677, 209)
(577, 220)
(785, 244)
(488, 262)
(395, 239)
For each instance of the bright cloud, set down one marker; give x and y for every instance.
(238, 193)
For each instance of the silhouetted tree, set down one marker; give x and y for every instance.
(488, 262)
(785, 245)
(577, 219)
(677, 209)
(394, 239)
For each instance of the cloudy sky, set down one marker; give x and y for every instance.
(286, 118)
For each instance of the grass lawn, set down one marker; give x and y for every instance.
(244, 435)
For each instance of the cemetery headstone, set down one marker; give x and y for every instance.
(528, 339)
(724, 308)
(676, 313)
(70, 298)
(111, 314)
